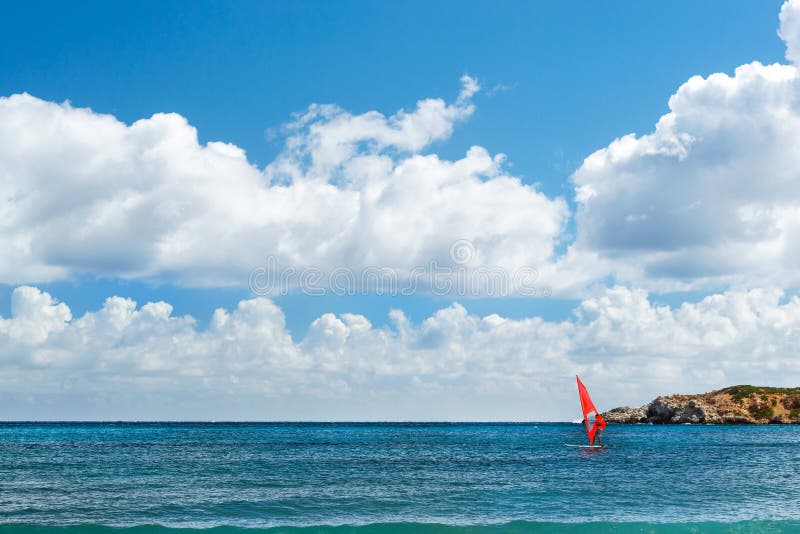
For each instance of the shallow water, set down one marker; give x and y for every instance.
(397, 477)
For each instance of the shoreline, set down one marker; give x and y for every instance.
(734, 405)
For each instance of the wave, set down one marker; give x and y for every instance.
(516, 527)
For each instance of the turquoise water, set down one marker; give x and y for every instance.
(404, 478)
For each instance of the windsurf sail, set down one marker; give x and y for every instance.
(591, 417)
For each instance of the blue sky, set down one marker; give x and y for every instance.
(561, 80)
(579, 75)
(558, 82)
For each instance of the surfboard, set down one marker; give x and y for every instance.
(585, 446)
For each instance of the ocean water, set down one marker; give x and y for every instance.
(400, 478)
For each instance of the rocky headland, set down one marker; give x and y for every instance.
(735, 405)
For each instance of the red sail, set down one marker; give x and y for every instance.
(591, 417)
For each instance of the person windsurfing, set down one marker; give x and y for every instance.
(599, 426)
(592, 420)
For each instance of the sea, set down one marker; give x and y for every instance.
(374, 478)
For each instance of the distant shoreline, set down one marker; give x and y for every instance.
(285, 423)
(734, 405)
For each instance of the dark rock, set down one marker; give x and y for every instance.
(661, 411)
(677, 410)
(626, 415)
(791, 402)
(736, 420)
(695, 411)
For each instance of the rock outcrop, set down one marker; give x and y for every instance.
(736, 405)
(627, 415)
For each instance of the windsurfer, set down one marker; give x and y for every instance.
(592, 420)
(599, 425)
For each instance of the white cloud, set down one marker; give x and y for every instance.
(790, 29)
(81, 192)
(129, 361)
(36, 316)
(711, 197)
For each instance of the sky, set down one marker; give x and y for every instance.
(217, 212)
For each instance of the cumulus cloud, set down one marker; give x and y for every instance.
(709, 199)
(712, 196)
(82, 192)
(126, 360)
(790, 29)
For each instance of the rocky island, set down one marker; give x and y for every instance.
(735, 405)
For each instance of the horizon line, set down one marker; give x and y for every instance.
(268, 422)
